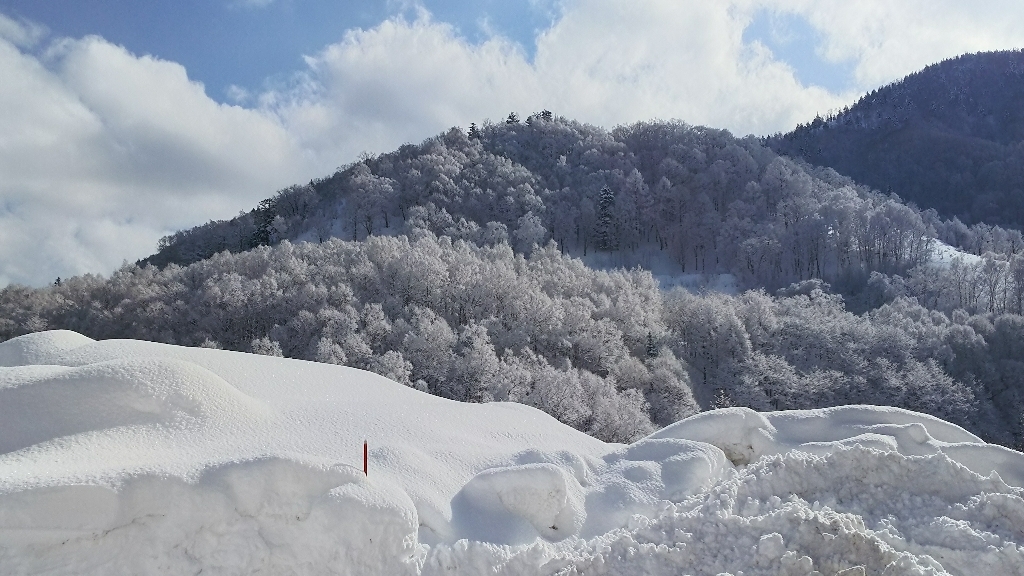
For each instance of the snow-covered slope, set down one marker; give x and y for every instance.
(128, 457)
(943, 255)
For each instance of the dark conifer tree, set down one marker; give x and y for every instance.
(652, 346)
(264, 216)
(606, 220)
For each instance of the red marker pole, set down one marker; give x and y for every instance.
(366, 458)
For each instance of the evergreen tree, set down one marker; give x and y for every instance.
(605, 220)
(264, 216)
(652, 346)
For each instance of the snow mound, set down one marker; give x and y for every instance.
(127, 457)
(518, 504)
(746, 436)
(270, 516)
(42, 403)
(40, 347)
(639, 478)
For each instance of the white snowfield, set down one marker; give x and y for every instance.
(128, 457)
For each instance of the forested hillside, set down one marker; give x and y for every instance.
(950, 137)
(458, 266)
(698, 197)
(607, 352)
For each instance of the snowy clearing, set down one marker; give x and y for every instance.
(943, 255)
(129, 457)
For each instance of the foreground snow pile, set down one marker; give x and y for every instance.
(126, 457)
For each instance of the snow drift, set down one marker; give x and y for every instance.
(128, 457)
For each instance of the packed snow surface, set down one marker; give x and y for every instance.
(128, 457)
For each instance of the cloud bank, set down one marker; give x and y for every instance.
(103, 151)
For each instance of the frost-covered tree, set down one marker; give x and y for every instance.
(266, 347)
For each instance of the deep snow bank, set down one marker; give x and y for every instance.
(126, 457)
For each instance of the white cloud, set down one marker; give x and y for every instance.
(888, 40)
(615, 62)
(102, 151)
(21, 33)
(402, 81)
(238, 95)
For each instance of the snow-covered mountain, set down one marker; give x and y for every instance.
(655, 194)
(130, 457)
(947, 137)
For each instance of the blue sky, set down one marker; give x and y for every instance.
(125, 120)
